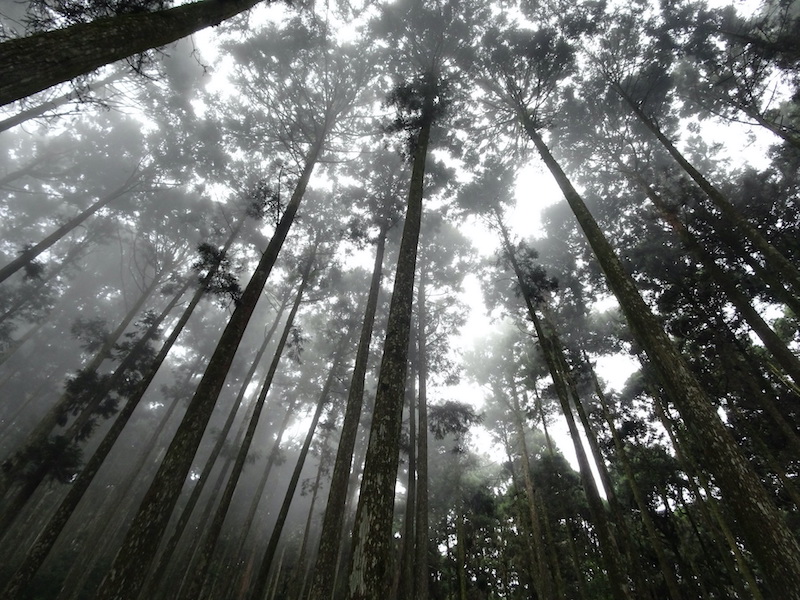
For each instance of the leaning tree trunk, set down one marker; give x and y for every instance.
(28, 255)
(765, 532)
(131, 564)
(771, 254)
(259, 588)
(39, 61)
(561, 381)
(786, 359)
(333, 522)
(206, 549)
(370, 567)
(667, 569)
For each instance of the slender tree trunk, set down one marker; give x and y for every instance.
(767, 536)
(461, 552)
(667, 569)
(300, 576)
(708, 506)
(131, 564)
(266, 562)
(206, 549)
(172, 542)
(332, 524)
(36, 62)
(787, 360)
(370, 568)
(29, 255)
(422, 576)
(562, 383)
(42, 108)
(406, 586)
(541, 579)
(771, 254)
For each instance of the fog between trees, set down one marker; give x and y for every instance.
(232, 279)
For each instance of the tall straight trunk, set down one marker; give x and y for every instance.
(623, 537)
(406, 585)
(562, 383)
(259, 589)
(206, 549)
(542, 581)
(422, 575)
(667, 569)
(300, 575)
(576, 564)
(764, 530)
(532, 550)
(43, 107)
(370, 567)
(39, 436)
(772, 255)
(27, 256)
(39, 61)
(183, 521)
(131, 564)
(332, 524)
(786, 359)
(461, 552)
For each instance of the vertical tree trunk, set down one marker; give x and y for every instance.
(767, 536)
(372, 537)
(131, 564)
(422, 575)
(332, 524)
(406, 585)
(667, 570)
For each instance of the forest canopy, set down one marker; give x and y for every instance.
(400, 300)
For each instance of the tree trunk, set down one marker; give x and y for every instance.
(39, 61)
(206, 549)
(771, 341)
(172, 542)
(332, 524)
(29, 255)
(541, 579)
(562, 382)
(372, 537)
(767, 536)
(259, 589)
(406, 587)
(131, 564)
(771, 254)
(655, 540)
(422, 575)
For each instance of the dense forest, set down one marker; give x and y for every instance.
(397, 300)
